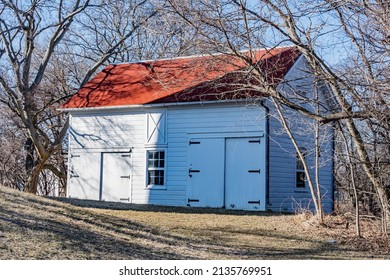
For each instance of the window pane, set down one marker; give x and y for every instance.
(152, 177)
(162, 157)
(152, 163)
(156, 159)
(300, 179)
(156, 177)
(161, 178)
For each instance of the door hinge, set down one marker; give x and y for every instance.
(254, 202)
(194, 142)
(125, 199)
(125, 155)
(126, 177)
(254, 141)
(193, 200)
(192, 171)
(254, 171)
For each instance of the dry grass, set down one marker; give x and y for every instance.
(33, 227)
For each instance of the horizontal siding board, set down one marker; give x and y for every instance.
(282, 163)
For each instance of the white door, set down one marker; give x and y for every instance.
(116, 177)
(245, 184)
(206, 172)
(84, 176)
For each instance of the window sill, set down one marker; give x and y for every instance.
(155, 187)
(156, 145)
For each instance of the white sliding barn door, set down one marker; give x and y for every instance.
(206, 172)
(84, 176)
(116, 177)
(244, 187)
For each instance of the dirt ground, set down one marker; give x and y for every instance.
(33, 227)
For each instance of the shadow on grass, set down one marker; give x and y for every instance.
(157, 208)
(88, 235)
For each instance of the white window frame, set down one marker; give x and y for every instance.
(153, 186)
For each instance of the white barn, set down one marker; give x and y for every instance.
(170, 132)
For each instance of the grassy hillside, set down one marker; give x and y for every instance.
(34, 227)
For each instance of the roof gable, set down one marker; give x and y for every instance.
(176, 80)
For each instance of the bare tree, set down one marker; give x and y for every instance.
(358, 88)
(38, 36)
(229, 26)
(12, 155)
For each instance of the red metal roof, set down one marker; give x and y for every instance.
(177, 80)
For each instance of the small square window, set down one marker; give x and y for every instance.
(156, 171)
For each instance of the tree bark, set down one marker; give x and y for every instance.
(33, 179)
(29, 148)
(352, 174)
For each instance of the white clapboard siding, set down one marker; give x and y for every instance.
(108, 130)
(282, 193)
(283, 196)
(226, 119)
(124, 129)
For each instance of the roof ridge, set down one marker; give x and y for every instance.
(199, 55)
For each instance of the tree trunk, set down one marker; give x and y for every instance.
(29, 148)
(352, 174)
(317, 157)
(365, 160)
(317, 172)
(314, 194)
(33, 179)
